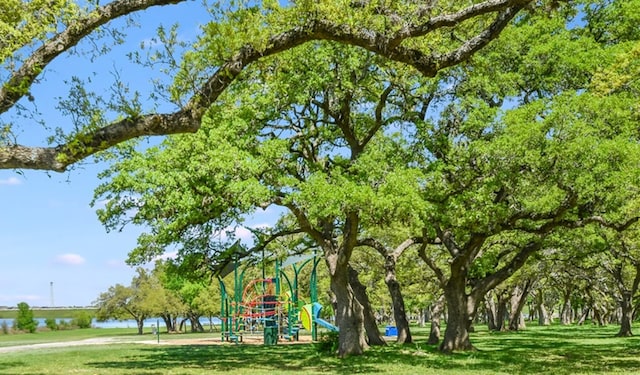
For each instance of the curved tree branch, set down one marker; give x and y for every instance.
(62, 42)
(58, 158)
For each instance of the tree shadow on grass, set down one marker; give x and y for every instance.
(529, 352)
(11, 364)
(216, 358)
(558, 350)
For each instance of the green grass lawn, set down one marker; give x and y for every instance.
(47, 313)
(538, 350)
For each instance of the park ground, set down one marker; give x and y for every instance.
(538, 350)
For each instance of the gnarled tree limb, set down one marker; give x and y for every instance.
(58, 158)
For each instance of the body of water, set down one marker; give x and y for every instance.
(128, 323)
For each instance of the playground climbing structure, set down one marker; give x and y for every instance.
(269, 304)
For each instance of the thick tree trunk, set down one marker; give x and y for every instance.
(399, 313)
(436, 314)
(370, 325)
(543, 314)
(490, 311)
(501, 315)
(423, 317)
(565, 314)
(140, 324)
(599, 315)
(168, 322)
(196, 326)
(461, 310)
(626, 318)
(518, 300)
(584, 316)
(349, 314)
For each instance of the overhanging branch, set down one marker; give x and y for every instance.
(58, 158)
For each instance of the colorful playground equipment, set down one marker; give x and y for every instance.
(310, 315)
(270, 304)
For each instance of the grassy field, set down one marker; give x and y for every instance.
(538, 350)
(46, 313)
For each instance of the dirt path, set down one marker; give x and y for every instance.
(173, 340)
(94, 341)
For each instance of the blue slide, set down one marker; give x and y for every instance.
(326, 324)
(316, 318)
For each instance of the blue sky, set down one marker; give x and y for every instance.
(49, 233)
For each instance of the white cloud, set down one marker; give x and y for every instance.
(243, 234)
(101, 204)
(11, 181)
(70, 259)
(167, 255)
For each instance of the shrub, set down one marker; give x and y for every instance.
(328, 343)
(25, 321)
(51, 324)
(5, 327)
(82, 319)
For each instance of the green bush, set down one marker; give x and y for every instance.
(4, 327)
(25, 321)
(328, 343)
(82, 319)
(51, 324)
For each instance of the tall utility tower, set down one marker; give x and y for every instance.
(51, 285)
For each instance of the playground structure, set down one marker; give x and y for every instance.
(270, 304)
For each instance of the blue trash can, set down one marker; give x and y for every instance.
(391, 331)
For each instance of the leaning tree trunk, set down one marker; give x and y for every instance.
(349, 314)
(626, 318)
(196, 326)
(399, 313)
(168, 322)
(461, 309)
(436, 314)
(518, 300)
(599, 314)
(371, 327)
(543, 314)
(490, 311)
(584, 315)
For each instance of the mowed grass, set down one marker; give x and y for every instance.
(15, 339)
(47, 313)
(538, 350)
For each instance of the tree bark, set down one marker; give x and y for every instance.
(501, 315)
(399, 313)
(490, 310)
(196, 326)
(565, 314)
(140, 324)
(424, 316)
(626, 318)
(583, 316)
(370, 326)
(436, 314)
(349, 312)
(59, 157)
(518, 300)
(168, 322)
(461, 310)
(543, 314)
